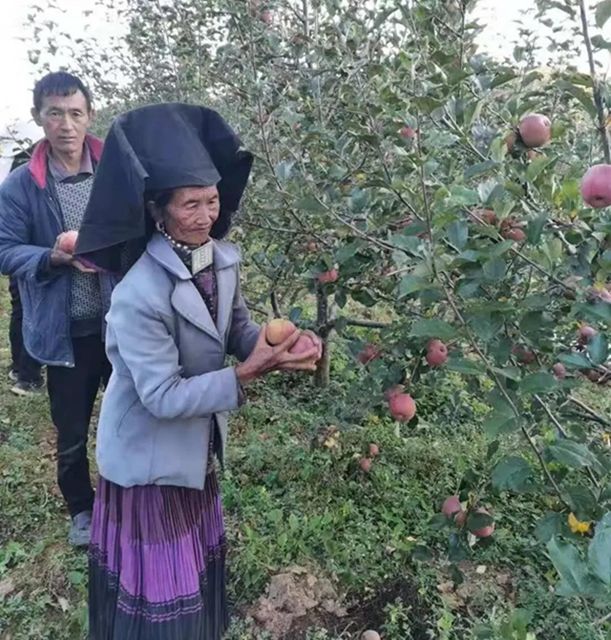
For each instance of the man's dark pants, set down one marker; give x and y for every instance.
(72, 394)
(26, 368)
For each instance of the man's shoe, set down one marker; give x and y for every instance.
(23, 388)
(80, 529)
(12, 375)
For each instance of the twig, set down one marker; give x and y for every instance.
(565, 435)
(598, 100)
(504, 393)
(589, 411)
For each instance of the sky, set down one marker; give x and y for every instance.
(16, 77)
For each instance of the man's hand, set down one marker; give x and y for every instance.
(60, 258)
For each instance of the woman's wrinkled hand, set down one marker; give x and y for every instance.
(266, 358)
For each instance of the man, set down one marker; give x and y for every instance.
(16, 147)
(63, 302)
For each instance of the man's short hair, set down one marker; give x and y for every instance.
(59, 83)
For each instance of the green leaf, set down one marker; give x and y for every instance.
(411, 284)
(599, 553)
(581, 95)
(478, 169)
(477, 521)
(486, 327)
(422, 554)
(498, 422)
(275, 515)
(495, 270)
(535, 229)
(574, 361)
(309, 203)
(466, 367)
(539, 383)
(576, 580)
(503, 78)
(598, 42)
(598, 349)
(284, 169)
(573, 454)
(464, 196)
(550, 525)
(346, 251)
(537, 166)
(433, 328)
(365, 297)
(603, 13)
(512, 473)
(458, 234)
(581, 499)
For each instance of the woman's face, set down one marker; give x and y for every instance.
(191, 213)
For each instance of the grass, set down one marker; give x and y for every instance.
(290, 499)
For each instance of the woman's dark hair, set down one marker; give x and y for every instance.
(161, 199)
(59, 83)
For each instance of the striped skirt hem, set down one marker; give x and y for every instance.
(157, 563)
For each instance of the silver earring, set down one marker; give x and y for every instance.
(160, 226)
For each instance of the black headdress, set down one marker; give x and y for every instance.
(154, 148)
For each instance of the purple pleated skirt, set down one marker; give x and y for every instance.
(157, 563)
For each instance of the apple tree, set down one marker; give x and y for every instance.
(428, 198)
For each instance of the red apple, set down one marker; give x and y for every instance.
(586, 333)
(365, 464)
(596, 186)
(451, 505)
(523, 354)
(304, 343)
(437, 353)
(408, 133)
(592, 375)
(489, 217)
(484, 532)
(328, 276)
(460, 519)
(66, 241)
(602, 295)
(402, 407)
(510, 141)
(312, 247)
(374, 450)
(278, 330)
(559, 371)
(266, 16)
(389, 394)
(535, 130)
(368, 354)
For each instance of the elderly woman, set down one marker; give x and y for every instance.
(173, 175)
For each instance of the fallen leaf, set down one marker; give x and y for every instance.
(481, 569)
(64, 604)
(577, 526)
(7, 586)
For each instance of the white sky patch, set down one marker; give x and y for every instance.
(84, 18)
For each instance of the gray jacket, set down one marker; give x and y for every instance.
(169, 375)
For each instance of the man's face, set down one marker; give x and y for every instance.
(65, 120)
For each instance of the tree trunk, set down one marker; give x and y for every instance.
(322, 376)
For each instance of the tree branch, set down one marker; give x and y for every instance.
(596, 88)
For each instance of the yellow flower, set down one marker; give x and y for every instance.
(330, 443)
(578, 526)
